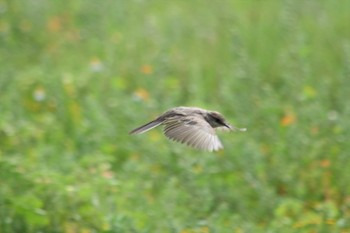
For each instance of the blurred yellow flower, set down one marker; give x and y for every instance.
(54, 24)
(72, 227)
(197, 169)
(309, 92)
(288, 119)
(142, 94)
(147, 69)
(331, 221)
(325, 163)
(75, 111)
(203, 229)
(155, 136)
(108, 174)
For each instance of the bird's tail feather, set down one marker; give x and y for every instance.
(146, 127)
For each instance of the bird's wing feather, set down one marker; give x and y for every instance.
(146, 127)
(193, 131)
(171, 114)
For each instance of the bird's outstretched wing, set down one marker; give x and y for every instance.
(193, 131)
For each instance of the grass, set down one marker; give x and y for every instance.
(77, 76)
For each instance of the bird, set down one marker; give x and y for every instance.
(192, 126)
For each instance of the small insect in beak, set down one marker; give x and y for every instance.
(233, 128)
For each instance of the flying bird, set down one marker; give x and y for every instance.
(192, 126)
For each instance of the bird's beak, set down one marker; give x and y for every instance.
(228, 126)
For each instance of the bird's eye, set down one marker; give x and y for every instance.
(217, 120)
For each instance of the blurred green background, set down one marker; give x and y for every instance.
(77, 76)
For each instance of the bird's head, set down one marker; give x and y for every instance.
(215, 119)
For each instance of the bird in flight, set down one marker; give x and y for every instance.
(192, 126)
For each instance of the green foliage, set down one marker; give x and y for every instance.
(77, 76)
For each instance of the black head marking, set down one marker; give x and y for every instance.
(215, 119)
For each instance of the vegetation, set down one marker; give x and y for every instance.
(77, 76)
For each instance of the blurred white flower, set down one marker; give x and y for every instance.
(333, 115)
(39, 94)
(96, 65)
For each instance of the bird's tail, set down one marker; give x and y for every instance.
(146, 127)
